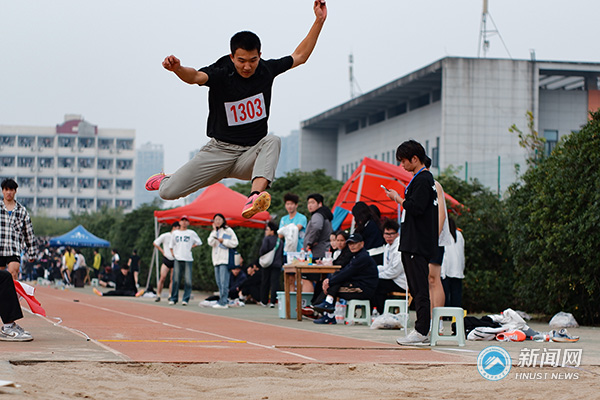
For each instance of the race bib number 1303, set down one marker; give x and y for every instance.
(250, 109)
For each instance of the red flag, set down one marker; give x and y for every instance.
(26, 291)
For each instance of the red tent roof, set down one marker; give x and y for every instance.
(376, 173)
(216, 198)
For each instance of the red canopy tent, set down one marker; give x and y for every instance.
(365, 185)
(216, 198)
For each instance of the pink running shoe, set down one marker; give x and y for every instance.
(153, 183)
(256, 203)
(511, 336)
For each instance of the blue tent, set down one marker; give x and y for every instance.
(79, 237)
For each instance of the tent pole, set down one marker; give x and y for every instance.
(358, 193)
(156, 231)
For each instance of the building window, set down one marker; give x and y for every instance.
(66, 141)
(86, 143)
(104, 183)
(66, 162)
(85, 204)
(26, 182)
(104, 203)
(124, 144)
(85, 162)
(85, 183)
(124, 164)
(551, 137)
(25, 162)
(64, 202)
(7, 161)
(376, 118)
(45, 202)
(26, 202)
(352, 126)
(46, 162)
(66, 182)
(124, 184)
(397, 110)
(7, 141)
(46, 142)
(435, 154)
(419, 102)
(105, 144)
(126, 204)
(46, 183)
(105, 163)
(26, 141)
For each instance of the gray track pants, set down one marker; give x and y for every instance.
(218, 160)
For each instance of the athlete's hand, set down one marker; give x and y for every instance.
(171, 63)
(320, 10)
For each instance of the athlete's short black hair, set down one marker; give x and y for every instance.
(409, 149)
(9, 183)
(244, 40)
(291, 197)
(316, 197)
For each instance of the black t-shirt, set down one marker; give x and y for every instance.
(239, 107)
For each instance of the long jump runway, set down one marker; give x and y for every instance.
(82, 326)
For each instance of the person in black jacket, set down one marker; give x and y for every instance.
(124, 284)
(357, 280)
(368, 224)
(270, 275)
(418, 234)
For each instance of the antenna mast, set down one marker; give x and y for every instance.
(353, 83)
(485, 34)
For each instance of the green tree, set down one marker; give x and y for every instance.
(554, 214)
(488, 265)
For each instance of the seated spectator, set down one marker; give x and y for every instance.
(10, 311)
(391, 274)
(124, 284)
(236, 279)
(368, 224)
(357, 280)
(250, 288)
(107, 277)
(344, 255)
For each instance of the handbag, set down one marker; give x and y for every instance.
(266, 259)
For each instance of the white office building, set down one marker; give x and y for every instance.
(73, 166)
(460, 109)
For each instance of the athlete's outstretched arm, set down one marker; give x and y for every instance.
(186, 74)
(305, 48)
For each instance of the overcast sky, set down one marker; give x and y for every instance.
(102, 59)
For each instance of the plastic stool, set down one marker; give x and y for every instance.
(455, 312)
(402, 306)
(95, 282)
(40, 280)
(351, 319)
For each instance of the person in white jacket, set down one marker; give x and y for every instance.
(392, 277)
(222, 239)
(453, 267)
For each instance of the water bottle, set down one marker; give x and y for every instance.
(302, 255)
(374, 314)
(309, 257)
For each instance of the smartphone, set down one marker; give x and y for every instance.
(384, 188)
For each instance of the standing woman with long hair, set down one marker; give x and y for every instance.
(222, 239)
(368, 224)
(270, 275)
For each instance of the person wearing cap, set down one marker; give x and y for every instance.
(162, 244)
(357, 280)
(124, 284)
(182, 242)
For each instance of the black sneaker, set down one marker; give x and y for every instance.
(324, 307)
(325, 320)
